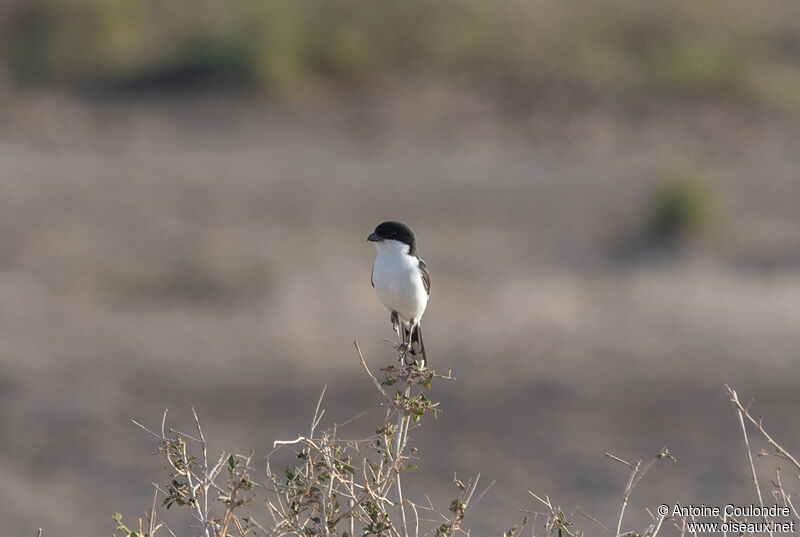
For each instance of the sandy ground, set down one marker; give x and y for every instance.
(161, 253)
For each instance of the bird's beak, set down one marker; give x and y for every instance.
(373, 238)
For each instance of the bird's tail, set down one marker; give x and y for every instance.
(417, 345)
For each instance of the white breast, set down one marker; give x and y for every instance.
(398, 282)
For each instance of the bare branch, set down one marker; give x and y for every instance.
(758, 425)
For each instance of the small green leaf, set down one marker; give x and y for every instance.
(665, 454)
(427, 381)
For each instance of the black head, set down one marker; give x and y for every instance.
(395, 231)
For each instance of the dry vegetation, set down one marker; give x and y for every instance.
(336, 486)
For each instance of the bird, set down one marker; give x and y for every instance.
(402, 282)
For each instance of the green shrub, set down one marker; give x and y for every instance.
(681, 206)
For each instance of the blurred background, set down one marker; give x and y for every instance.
(606, 193)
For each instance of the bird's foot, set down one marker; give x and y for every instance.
(402, 350)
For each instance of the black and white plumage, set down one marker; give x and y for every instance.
(402, 283)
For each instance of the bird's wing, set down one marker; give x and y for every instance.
(426, 277)
(372, 276)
